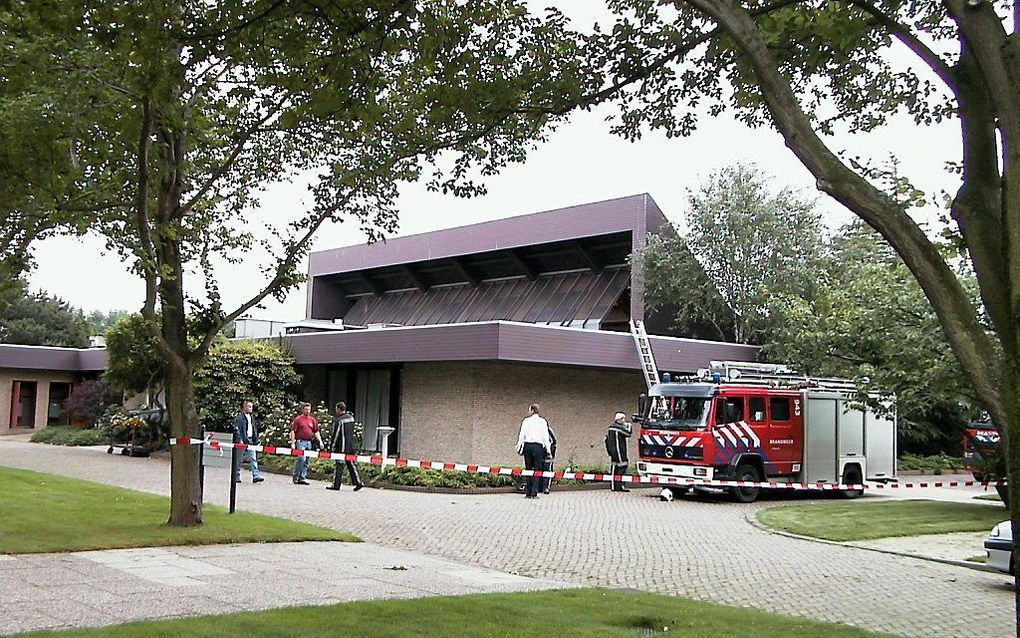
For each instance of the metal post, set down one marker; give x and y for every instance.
(201, 468)
(234, 471)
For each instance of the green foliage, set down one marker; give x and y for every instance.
(99, 321)
(936, 464)
(752, 243)
(39, 319)
(133, 363)
(88, 400)
(870, 319)
(237, 371)
(67, 435)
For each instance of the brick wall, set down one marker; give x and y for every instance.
(471, 411)
(42, 379)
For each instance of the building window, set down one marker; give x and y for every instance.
(58, 394)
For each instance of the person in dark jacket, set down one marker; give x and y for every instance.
(616, 446)
(246, 429)
(344, 442)
(550, 458)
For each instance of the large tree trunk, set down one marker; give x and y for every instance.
(185, 486)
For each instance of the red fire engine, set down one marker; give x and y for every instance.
(755, 422)
(981, 443)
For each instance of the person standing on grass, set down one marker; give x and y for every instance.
(302, 430)
(247, 430)
(343, 441)
(533, 442)
(616, 446)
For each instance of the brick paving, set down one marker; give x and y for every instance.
(699, 547)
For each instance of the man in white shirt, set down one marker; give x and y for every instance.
(534, 444)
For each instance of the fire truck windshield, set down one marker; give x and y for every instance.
(678, 413)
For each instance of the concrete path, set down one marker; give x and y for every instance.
(700, 547)
(43, 591)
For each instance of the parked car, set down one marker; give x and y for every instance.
(999, 547)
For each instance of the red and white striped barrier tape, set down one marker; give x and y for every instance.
(577, 476)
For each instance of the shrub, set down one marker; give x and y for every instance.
(936, 464)
(236, 371)
(67, 435)
(88, 400)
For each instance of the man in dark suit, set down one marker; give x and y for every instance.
(344, 441)
(246, 429)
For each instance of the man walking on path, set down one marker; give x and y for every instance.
(302, 429)
(246, 428)
(616, 446)
(344, 442)
(533, 442)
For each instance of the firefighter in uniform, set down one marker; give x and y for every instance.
(343, 441)
(616, 446)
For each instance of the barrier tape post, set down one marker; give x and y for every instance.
(234, 470)
(201, 469)
(665, 481)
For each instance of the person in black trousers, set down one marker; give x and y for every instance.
(616, 446)
(343, 441)
(549, 460)
(533, 443)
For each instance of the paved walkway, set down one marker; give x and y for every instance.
(48, 591)
(700, 547)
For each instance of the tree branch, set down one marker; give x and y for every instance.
(904, 35)
(952, 306)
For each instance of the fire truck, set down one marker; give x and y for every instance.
(981, 445)
(762, 422)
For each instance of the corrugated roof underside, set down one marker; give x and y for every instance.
(559, 299)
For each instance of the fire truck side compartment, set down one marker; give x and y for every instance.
(880, 443)
(820, 422)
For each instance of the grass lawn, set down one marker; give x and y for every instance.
(864, 520)
(592, 613)
(47, 513)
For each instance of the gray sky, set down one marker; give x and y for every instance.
(582, 162)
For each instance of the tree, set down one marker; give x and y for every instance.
(132, 357)
(809, 68)
(237, 371)
(751, 242)
(869, 320)
(203, 104)
(99, 321)
(39, 319)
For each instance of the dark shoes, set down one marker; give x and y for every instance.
(333, 487)
(531, 496)
(621, 489)
(257, 479)
(358, 486)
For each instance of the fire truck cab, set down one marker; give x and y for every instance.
(761, 422)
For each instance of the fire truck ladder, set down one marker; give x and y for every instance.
(644, 351)
(771, 374)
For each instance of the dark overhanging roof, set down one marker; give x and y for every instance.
(52, 359)
(593, 254)
(508, 341)
(579, 298)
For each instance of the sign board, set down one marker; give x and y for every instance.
(217, 458)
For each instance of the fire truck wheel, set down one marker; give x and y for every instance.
(851, 476)
(746, 472)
